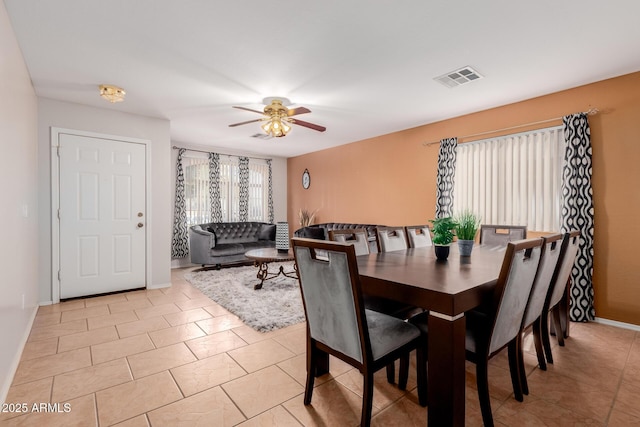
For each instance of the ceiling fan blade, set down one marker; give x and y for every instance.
(309, 125)
(249, 109)
(244, 123)
(299, 110)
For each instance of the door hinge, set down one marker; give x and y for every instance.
(59, 276)
(58, 213)
(58, 150)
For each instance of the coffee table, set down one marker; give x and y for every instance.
(262, 258)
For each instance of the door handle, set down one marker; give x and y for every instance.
(140, 225)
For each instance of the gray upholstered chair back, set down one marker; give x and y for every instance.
(419, 236)
(392, 239)
(329, 296)
(566, 265)
(500, 235)
(514, 284)
(358, 237)
(548, 262)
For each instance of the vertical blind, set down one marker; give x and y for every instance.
(514, 179)
(196, 181)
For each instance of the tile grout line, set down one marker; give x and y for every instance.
(621, 380)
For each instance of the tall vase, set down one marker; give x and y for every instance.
(282, 236)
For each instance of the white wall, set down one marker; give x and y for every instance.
(108, 121)
(19, 203)
(278, 175)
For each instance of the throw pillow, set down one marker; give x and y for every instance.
(312, 233)
(267, 232)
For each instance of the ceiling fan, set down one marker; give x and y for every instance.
(278, 118)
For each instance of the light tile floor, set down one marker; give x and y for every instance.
(172, 357)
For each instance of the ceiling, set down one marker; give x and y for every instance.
(363, 67)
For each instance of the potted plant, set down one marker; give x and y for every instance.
(467, 224)
(442, 229)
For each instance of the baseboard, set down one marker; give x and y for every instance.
(181, 263)
(4, 387)
(159, 286)
(617, 324)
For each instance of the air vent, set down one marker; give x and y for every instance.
(459, 77)
(261, 136)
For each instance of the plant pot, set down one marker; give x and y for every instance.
(465, 247)
(442, 252)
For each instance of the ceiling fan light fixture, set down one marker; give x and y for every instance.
(277, 118)
(112, 93)
(276, 127)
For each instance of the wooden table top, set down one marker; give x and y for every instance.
(415, 276)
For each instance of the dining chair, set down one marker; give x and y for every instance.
(497, 324)
(358, 237)
(339, 324)
(500, 235)
(557, 299)
(549, 259)
(392, 239)
(418, 236)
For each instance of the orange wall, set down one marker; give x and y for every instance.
(391, 179)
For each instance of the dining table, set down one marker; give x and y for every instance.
(447, 289)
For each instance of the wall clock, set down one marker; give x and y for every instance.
(306, 179)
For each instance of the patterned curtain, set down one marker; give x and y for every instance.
(243, 167)
(577, 212)
(214, 187)
(180, 242)
(445, 179)
(270, 195)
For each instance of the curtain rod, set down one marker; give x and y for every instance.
(590, 112)
(207, 152)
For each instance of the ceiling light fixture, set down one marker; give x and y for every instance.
(276, 125)
(112, 93)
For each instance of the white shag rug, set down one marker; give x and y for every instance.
(276, 305)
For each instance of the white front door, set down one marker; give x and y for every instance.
(102, 215)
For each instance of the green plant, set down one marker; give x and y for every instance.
(443, 229)
(467, 224)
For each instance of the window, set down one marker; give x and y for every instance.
(196, 181)
(514, 179)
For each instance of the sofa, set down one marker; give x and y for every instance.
(321, 232)
(219, 243)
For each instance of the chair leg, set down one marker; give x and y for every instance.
(544, 333)
(514, 348)
(482, 381)
(537, 339)
(421, 369)
(367, 400)
(391, 373)
(403, 375)
(524, 386)
(311, 372)
(555, 316)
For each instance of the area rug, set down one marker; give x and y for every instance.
(276, 305)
